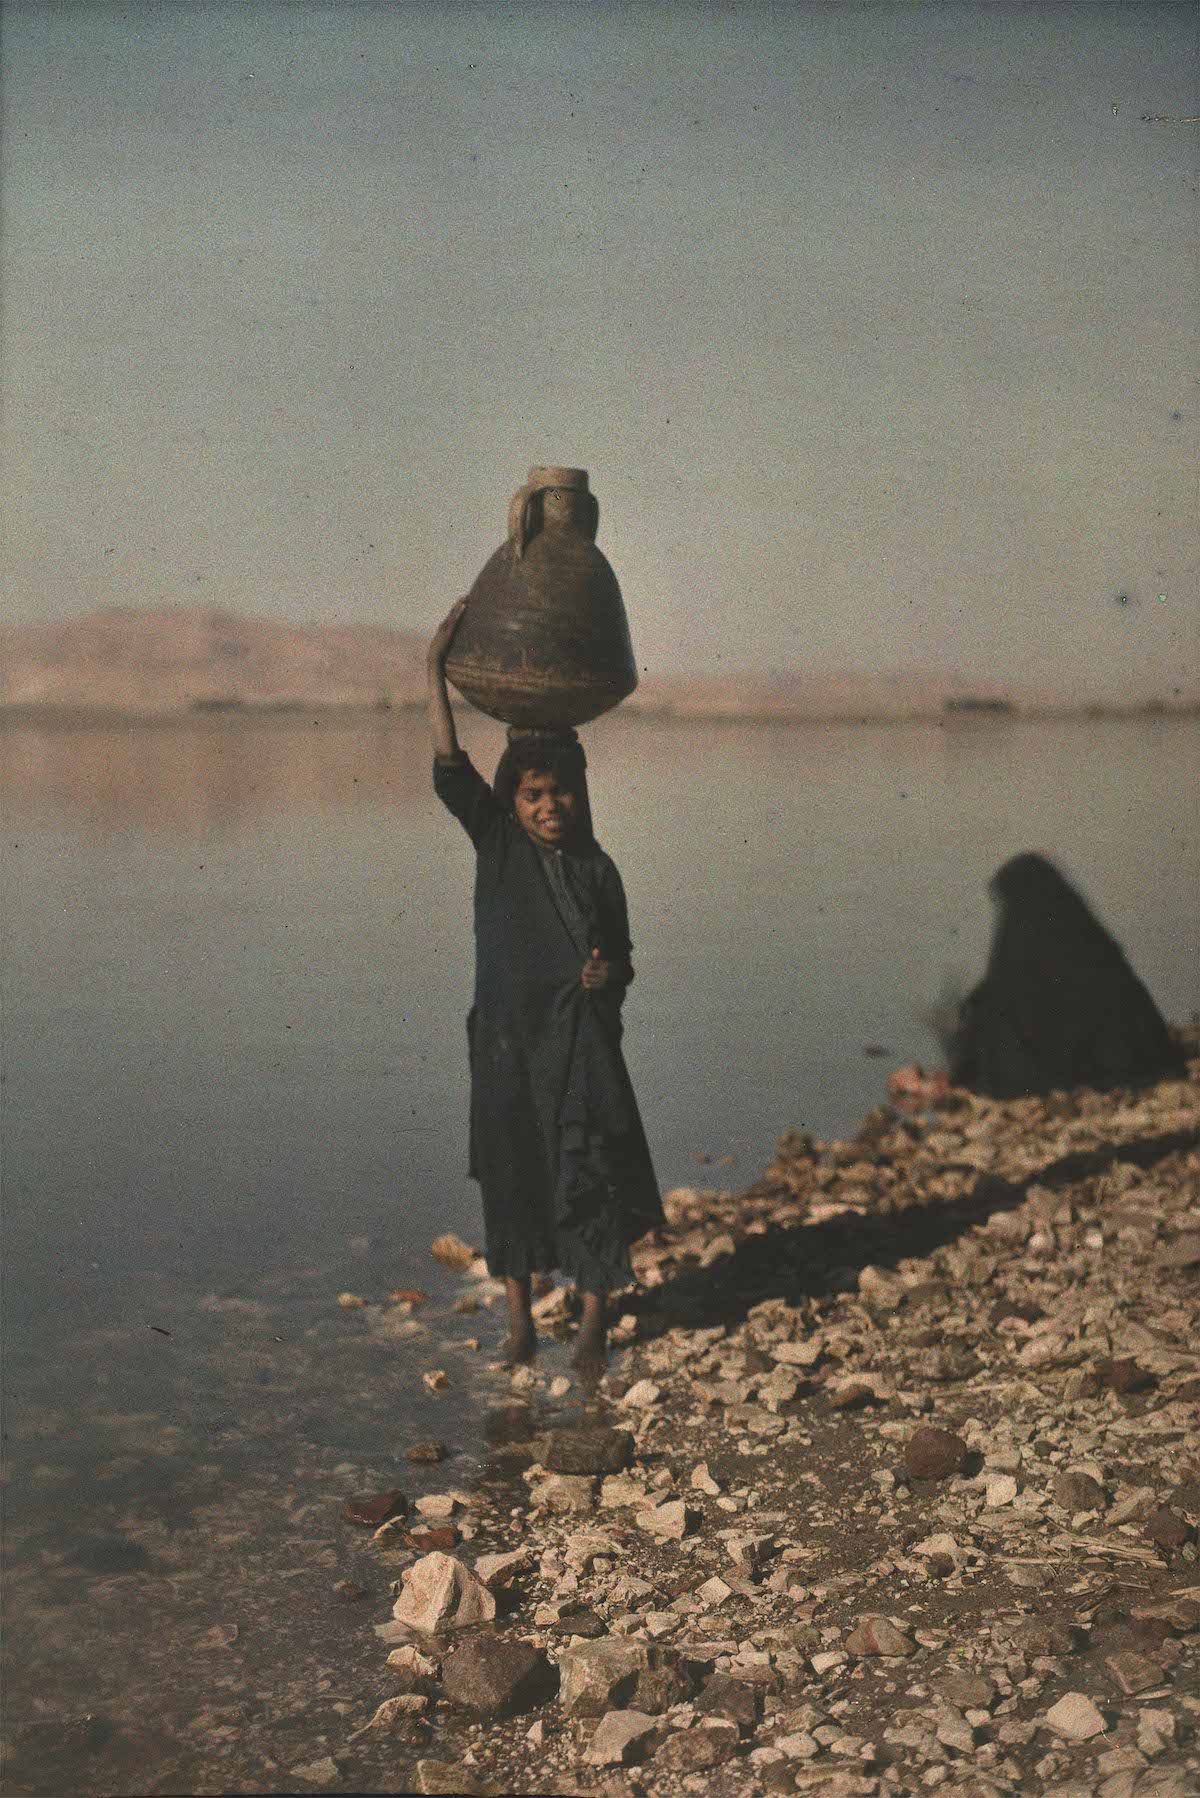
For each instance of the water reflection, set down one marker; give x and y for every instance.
(204, 771)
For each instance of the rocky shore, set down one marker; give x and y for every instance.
(893, 1486)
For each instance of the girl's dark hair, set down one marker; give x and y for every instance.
(544, 752)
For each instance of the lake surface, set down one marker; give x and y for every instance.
(237, 962)
(238, 956)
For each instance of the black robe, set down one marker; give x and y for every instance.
(1059, 1005)
(556, 1141)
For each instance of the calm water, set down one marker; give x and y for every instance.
(237, 960)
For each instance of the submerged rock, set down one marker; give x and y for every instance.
(375, 1508)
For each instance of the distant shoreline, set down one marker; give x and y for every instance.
(65, 715)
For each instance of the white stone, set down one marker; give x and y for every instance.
(410, 1658)
(436, 1504)
(642, 1394)
(1155, 1732)
(798, 1747)
(671, 1521)
(1075, 1718)
(999, 1489)
(703, 1480)
(953, 1730)
(393, 1711)
(713, 1592)
(319, 1773)
(497, 1570)
(940, 1543)
(617, 1736)
(441, 1593)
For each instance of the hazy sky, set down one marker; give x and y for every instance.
(876, 325)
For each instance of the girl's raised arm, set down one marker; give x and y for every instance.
(441, 719)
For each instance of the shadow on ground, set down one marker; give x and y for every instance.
(807, 1260)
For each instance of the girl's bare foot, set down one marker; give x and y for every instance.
(590, 1357)
(520, 1345)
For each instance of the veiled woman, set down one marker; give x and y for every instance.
(1059, 1005)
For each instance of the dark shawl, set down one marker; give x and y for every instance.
(556, 1141)
(1059, 1005)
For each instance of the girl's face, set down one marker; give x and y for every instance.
(546, 811)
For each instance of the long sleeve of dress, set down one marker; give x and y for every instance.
(464, 792)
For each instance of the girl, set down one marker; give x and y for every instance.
(556, 1142)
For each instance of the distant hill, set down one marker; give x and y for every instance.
(159, 662)
(170, 659)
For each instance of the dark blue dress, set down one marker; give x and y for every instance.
(556, 1141)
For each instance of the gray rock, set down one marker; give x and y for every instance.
(445, 1779)
(397, 1715)
(1134, 1672)
(565, 1494)
(612, 1673)
(497, 1678)
(697, 1750)
(1167, 1529)
(598, 1676)
(1047, 1635)
(969, 1691)
(1078, 1492)
(724, 1696)
(318, 1773)
(591, 1451)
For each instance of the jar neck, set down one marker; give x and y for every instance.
(565, 506)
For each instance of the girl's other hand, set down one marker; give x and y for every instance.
(443, 636)
(596, 971)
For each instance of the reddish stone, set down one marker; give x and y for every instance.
(1124, 1375)
(933, 1454)
(1167, 1530)
(439, 1538)
(374, 1508)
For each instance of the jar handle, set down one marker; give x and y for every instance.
(518, 517)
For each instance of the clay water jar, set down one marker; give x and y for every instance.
(544, 640)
